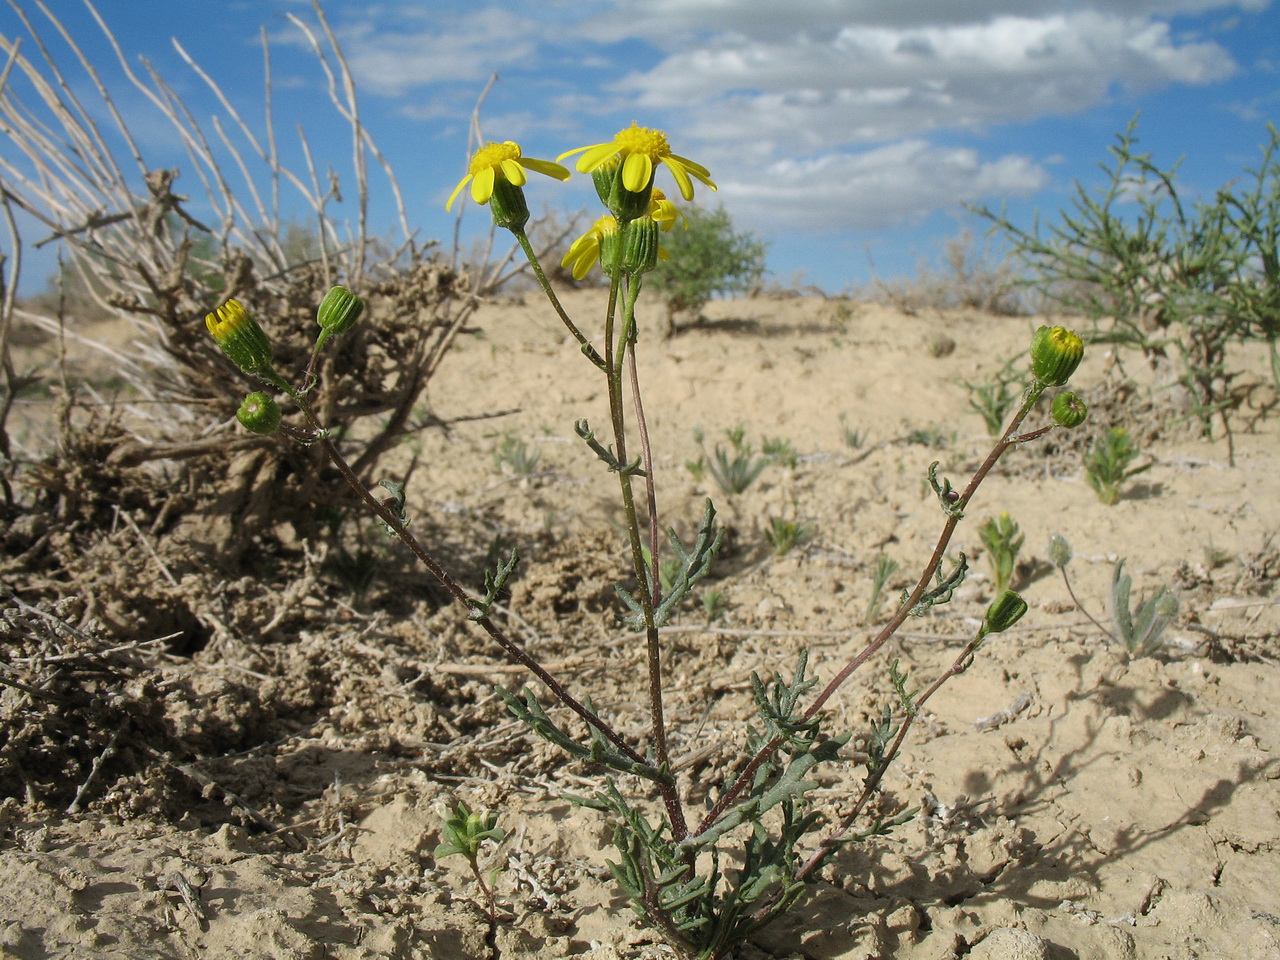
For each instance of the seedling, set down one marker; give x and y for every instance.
(1003, 539)
(785, 534)
(1107, 465)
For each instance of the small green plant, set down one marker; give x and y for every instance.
(1003, 539)
(854, 438)
(706, 259)
(1140, 630)
(1107, 464)
(714, 604)
(463, 834)
(934, 438)
(1215, 557)
(995, 398)
(785, 534)
(780, 451)
(515, 456)
(884, 569)
(736, 468)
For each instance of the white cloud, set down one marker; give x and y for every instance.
(870, 84)
(874, 189)
(670, 23)
(395, 50)
(819, 107)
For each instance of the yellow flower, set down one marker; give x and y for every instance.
(585, 251)
(664, 212)
(501, 161)
(601, 243)
(641, 149)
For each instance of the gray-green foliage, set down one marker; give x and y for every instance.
(736, 467)
(707, 259)
(1107, 465)
(785, 534)
(515, 455)
(1003, 539)
(1140, 630)
(713, 909)
(1163, 273)
(884, 569)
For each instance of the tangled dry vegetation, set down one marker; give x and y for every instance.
(138, 524)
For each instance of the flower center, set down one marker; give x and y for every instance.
(642, 140)
(492, 154)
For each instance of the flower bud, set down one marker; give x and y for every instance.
(1068, 410)
(259, 413)
(507, 205)
(1059, 550)
(1055, 354)
(1006, 610)
(640, 246)
(338, 313)
(240, 338)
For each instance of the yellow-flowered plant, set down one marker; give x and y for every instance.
(760, 816)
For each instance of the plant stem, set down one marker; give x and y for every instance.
(829, 843)
(587, 349)
(1006, 440)
(615, 346)
(1080, 607)
(513, 650)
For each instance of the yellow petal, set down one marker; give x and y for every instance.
(545, 167)
(456, 190)
(682, 177)
(482, 185)
(570, 153)
(697, 169)
(514, 173)
(595, 156)
(637, 170)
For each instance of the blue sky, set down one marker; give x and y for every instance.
(834, 128)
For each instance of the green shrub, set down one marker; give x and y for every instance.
(1160, 273)
(706, 259)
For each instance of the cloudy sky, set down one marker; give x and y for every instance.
(839, 130)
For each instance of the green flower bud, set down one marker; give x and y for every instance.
(640, 245)
(1059, 550)
(1068, 410)
(259, 413)
(1055, 354)
(1006, 610)
(338, 313)
(507, 205)
(241, 339)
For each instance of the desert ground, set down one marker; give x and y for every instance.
(215, 764)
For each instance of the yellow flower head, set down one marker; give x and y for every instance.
(501, 161)
(640, 150)
(585, 251)
(665, 213)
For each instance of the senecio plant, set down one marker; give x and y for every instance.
(673, 850)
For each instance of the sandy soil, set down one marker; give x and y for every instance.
(1115, 809)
